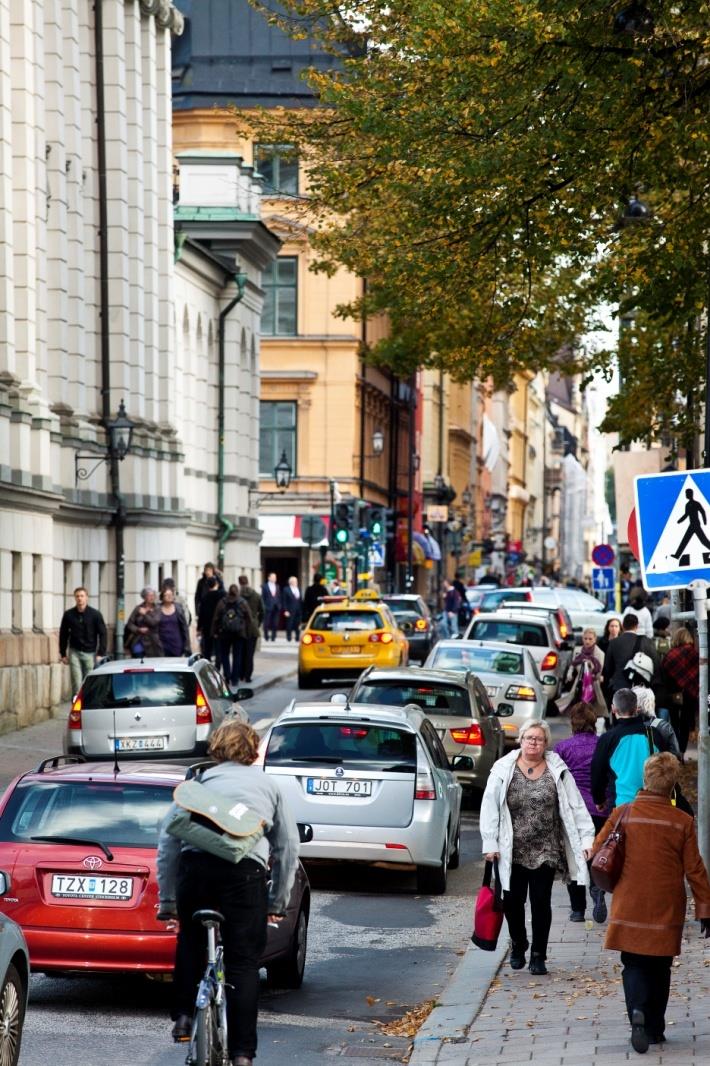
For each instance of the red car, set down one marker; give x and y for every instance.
(78, 848)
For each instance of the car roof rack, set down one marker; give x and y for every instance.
(104, 659)
(55, 760)
(194, 657)
(196, 768)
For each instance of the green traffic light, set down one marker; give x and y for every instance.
(342, 536)
(376, 528)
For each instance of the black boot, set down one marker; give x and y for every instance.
(517, 955)
(537, 964)
(639, 1036)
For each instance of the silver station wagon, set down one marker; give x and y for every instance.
(374, 783)
(143, 708)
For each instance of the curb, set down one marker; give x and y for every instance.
(269, 682)
(459, 1003)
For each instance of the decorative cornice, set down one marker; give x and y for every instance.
(166, 16)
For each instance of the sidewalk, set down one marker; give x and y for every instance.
(494, 1015)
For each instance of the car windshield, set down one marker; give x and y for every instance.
(433, 697)
(139, 688)
(358, 744)
(503, 631)
(338, 621)
(113, 813)
(493, 599)
(490, 659)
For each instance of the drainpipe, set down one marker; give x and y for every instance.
(363, 393)
(225, 527)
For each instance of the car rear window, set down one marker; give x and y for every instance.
(499, 662)
(525, 634)
(111, 813)
(337, 621)
(493, 599)
(409, 607)
(435, 698)
(139, 688)
(358, 744)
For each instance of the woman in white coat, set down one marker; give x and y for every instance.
(535, 822)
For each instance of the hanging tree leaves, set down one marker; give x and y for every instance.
(472, 160)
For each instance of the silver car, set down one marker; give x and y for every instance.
(14, 983)
(374, 783)
(586, 611)
(524, 630)
(139, 708)
(509, 676)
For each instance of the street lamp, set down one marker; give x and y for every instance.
(378, 442)
(120, 438)
(282, 472)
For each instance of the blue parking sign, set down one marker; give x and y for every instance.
(603, 578)
(673, 518)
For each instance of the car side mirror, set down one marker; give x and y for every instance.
(462, 762)
(305, 832)
(340, 699)
(566, 646)
(242, 694)
(504, 710)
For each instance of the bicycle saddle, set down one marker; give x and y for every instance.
(208, 917)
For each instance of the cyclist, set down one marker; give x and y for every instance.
(190, 879)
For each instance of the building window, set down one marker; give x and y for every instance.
(278, 166)
(279, 282)
(277, 434)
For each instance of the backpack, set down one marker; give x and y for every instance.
(214, 823)
(663, 645)
(234, 620)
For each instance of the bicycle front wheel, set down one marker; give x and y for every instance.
(208, 1046)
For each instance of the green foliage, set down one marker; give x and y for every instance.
(472, 159)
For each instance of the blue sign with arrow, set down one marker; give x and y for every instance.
(603, 578)
(673, 517)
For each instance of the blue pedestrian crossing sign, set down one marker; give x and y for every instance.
(603, 578)
(673, 518)
(377, 554)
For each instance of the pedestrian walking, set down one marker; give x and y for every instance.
(622, 650)
(612, 629)
(452, 606)
(209, 571)
(271, 597)
(248, 893)
(82, 637)
(141, 637)
(169, 583)
(577, 752)
(230, 629)
(205, 616)
(637, 606)
(172, 626)
(292, 603)
(586, 677)
(680, 673)
(617, 764)
(648, 906)
(646, 703)
(314, 595)
(256, 611)
(535, 822)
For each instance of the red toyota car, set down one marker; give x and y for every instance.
(78, 849)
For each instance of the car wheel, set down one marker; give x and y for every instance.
(287, 972)
(12, 1014)
(455, 857)
(431, 880)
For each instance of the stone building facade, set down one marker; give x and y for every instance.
(62, 377)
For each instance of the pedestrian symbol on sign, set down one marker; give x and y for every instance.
(694, 513)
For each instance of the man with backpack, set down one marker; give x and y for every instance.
(230, 627)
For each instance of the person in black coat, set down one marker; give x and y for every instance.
(271, 598)
(314, 595)
(622, 649)
(208, 572)
(292, 603)
(205, 616)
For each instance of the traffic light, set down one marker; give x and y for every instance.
(377, 523)
(363, 520)
(390, 524)
(342, 524)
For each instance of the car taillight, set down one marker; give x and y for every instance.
(421, 624)
(312, 638)
(470, 735)
(380, 638)
(75, 712)
(203, 714)
(520, 692)
(424, 786)
(564, 629)
(550, 661)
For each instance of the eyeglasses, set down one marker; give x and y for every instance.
(533, 740)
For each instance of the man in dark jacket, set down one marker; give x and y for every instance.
(208, 572)
(82, 638)
(314, 595)
(292, 602)
(622, 649)
(256, 611)
(617, 763)
(271, 596)
(205, 615)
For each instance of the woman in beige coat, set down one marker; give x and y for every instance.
(649, 901)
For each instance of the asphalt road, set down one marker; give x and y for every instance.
(376, 949)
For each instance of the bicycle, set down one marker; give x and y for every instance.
(208, 1038)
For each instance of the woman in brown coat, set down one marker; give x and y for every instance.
(648, 904)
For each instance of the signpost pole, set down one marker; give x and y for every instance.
(700, 603)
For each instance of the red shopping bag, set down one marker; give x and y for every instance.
(488, 911)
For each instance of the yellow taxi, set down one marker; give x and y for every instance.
(345, 635)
